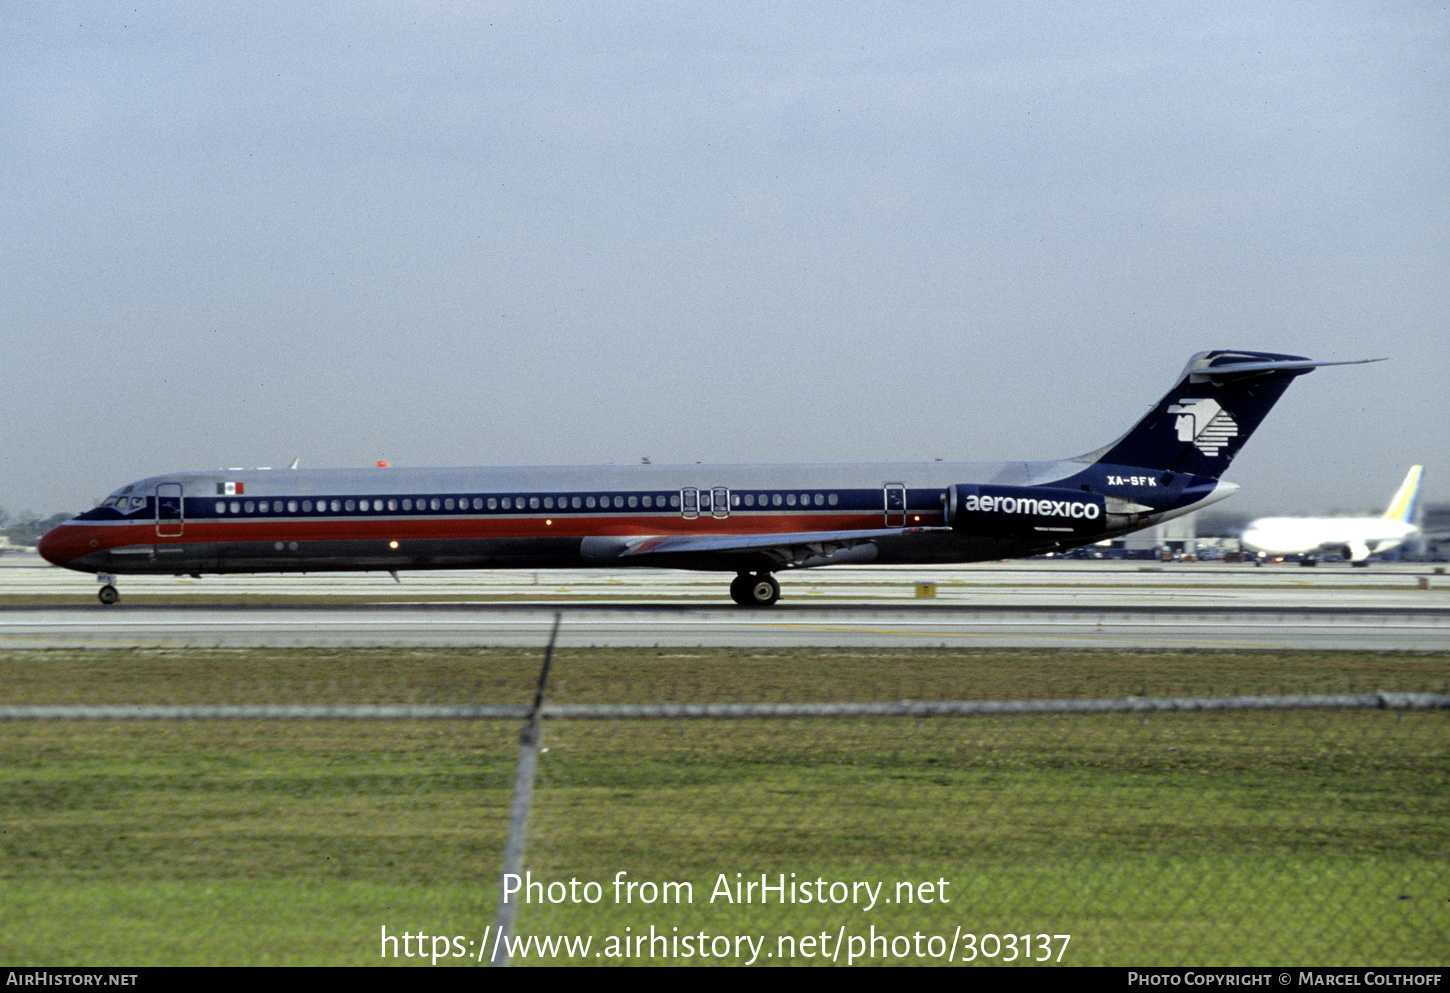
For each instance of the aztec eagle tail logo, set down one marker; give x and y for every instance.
(1204, 423)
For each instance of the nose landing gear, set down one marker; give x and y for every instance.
(108, 593)
(760, 590)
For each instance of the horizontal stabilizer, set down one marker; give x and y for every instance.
(1234, 369)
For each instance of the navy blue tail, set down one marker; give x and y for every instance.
(1200, 425)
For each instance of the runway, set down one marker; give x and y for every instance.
(1034, 604)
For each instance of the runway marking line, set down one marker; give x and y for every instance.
(84, 642)
(1040, 637)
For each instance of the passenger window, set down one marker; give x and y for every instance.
(576, 503)
(221, 506)
(634, 501)
(589, 502)
(448, 504)
(831, 499)
(493, 503)
(548, 503)
(235, 507)
(533, 503)
(434, 504)
(291, 506)
(648, 500)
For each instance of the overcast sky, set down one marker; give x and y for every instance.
(481, 233)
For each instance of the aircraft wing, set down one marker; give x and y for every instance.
(798, 549)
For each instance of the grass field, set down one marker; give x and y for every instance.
(1265, 838)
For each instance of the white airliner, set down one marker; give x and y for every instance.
(1353, 538)
(752, 520)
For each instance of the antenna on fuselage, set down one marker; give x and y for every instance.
(294, 462)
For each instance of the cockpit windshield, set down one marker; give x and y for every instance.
(124, 501)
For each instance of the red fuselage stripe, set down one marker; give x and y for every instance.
(76, 539)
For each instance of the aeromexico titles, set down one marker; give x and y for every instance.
(751, 520)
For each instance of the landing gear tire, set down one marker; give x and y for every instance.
(108, 594)
(755, 591)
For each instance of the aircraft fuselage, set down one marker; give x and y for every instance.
(396, 519)
(750, 519)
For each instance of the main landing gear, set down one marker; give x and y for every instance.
(760, 590)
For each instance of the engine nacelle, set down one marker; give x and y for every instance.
(1014, 511)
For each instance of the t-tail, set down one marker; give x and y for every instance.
(1406, 502)
(1200, 425)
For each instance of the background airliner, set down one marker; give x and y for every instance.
(752, 520)
(1353, 538)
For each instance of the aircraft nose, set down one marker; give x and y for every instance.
(61, 544)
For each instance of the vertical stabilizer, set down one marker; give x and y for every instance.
(1200, 425)
(1406, 501)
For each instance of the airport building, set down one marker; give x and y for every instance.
(1435, 526)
